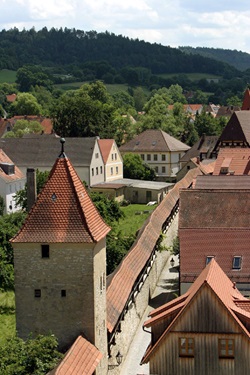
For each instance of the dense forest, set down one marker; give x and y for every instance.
(60, 47)
(240, 60)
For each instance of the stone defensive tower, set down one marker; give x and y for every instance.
(60, 264)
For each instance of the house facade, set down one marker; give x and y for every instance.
(113, 164)
(39, 152)
(159, 150)
(204, 331)
(11, 181)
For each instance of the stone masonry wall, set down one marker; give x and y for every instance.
(137, 307)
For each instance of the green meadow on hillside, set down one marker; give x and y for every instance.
(8, 76)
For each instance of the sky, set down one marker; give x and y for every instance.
(196, 23)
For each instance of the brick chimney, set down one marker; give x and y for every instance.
(31, 187)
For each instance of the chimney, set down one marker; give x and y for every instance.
(31, 187)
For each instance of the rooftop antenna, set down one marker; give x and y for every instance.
(62, 154)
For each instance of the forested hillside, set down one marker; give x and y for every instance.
(59, 47)
(240, 60)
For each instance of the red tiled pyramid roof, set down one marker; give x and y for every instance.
(81, 359)
(63, 211)
(213, 277)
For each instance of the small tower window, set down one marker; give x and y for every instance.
(37, 293)
(45, 251)
(63, 293)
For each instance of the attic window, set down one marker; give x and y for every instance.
(153, 143)
(54, 197)
(209, 258)
(226, 348)
(137, 142)
(37, 293)
(237, 262)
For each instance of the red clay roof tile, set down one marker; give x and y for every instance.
(81, 359)
(105, 148)
(237, 160)
(63, 211)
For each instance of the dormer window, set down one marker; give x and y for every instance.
(237, 260)
(209, 258)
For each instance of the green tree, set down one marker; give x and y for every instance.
(133, 167)
(25, 104)
(33, 356)
(108, 208)
(22, 127)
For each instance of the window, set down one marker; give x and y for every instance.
(63, 293)
(142, 156)
(163, 169)
(148, 157)
(101, 169)
(97, 155)
(237, 263)
(45, 251)
(96, 170)
(112, 170)
(37, 293)
(163, 157)
(209, 258)
(155, 157)
(116, 170)
(186, 347)
(115, 156)
(156, 169)
(112, 156)
(226, 348)
(92, 170)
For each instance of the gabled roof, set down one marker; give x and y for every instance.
(105, 146)
(63, 211)
(237, 128)
(17, 175)
(237, 160)
(227, 111)
(121, 282)
(211, 277)
(81, 359)
(41, 150)
(153, 140)
(246, 101)
(206, 144)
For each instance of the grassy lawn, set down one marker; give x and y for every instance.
(112, 89)
(135, 215)
(7, 316)
(8, 76)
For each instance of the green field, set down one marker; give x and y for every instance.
(191, 76)
(7, 316)
(7, 76)
(112, 89)
(135, 216)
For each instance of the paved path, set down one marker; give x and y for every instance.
(166, 286)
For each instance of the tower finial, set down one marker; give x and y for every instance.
(62, 154)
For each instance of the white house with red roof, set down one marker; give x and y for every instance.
(204, 331)
(11, 181)
(112, 159)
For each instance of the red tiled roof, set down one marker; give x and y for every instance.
(246, 101)
(63, 211)
(47, 125)
(211, 277)
(223, 182)
(81, 359)
(222, 243)
(105, 148)
(216, 208)
(17, 175)
(11, 98)
(120, 283)
(236, 159)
